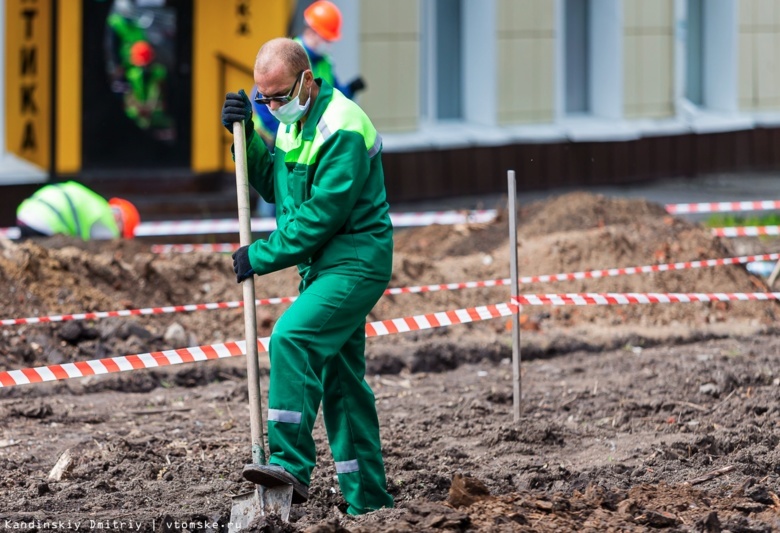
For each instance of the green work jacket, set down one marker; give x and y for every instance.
(69, 209)
(328, 186)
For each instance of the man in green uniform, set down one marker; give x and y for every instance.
(72, 209)
(325, 175)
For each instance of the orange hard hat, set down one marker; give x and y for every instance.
(128, 215)
(141, 54)
(324, 18)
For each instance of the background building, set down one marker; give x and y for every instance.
(78, 106)
(568, 92)
(565, 92)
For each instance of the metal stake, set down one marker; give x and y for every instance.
(517, 388)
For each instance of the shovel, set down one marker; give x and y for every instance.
(263, 500)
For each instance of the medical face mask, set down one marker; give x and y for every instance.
(292, 111)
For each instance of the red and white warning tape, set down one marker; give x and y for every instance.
(143, 311)
(590, 274)
(704, 263)
(641, 298)
(747, 231)
(407, 290)
(220, 247)
(722, 207)
(209, 226)
(199, 227)
(108, 365)
(214, 226)
(10, 233)
(225, 247)
(124, 363)
(228, 225)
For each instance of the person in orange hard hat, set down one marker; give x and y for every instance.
(72, 209)
(325, 19)
(323, 27)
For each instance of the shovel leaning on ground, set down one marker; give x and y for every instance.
(262, 501)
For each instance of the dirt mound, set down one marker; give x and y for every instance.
(574, 232)
(629, 430)
(581, 211)
(576, 211)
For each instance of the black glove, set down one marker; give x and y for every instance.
(237, 108)
(241, 265)
(356, 85)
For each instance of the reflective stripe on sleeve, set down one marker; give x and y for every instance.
(345, 467)
(377, 146)
(287, 417)
(324, 130)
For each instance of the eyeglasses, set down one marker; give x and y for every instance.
(260, 99)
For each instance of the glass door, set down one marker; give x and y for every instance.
(136, 84)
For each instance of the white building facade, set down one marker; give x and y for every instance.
(455, 73)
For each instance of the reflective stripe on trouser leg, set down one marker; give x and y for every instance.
(288, 417)
(349, 410)
(346, 467)
(312, 331)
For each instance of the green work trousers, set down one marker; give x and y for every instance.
(317, 352)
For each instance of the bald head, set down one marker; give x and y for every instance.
(281, 53)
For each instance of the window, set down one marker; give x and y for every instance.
(694, 41)
(577, 60)
(590, 59)
(441, 74)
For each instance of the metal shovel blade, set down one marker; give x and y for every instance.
(262, 501)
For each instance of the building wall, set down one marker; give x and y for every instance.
(68, 148)
(523, 39)
(526, 79)
(390, 62)
(526, 57)
(28, 80)
(648, 41)
(759, 55)
(237, 35)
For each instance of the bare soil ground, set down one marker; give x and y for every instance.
(634, 418)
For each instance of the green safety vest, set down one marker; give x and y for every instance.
(323, 68)
(328, 186)
(70, 209)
